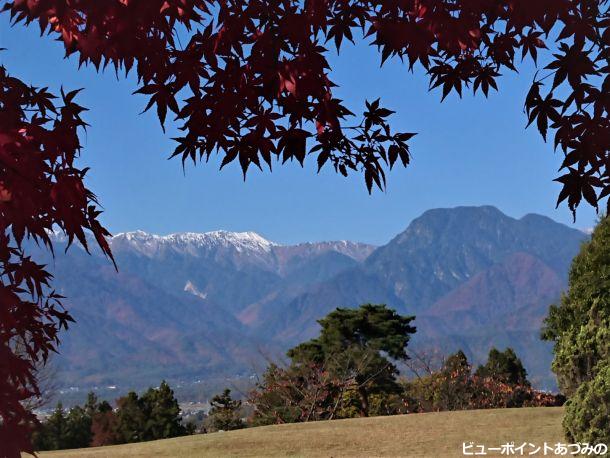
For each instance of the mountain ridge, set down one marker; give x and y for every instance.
(211, 302)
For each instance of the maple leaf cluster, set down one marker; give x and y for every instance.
(252, 81)
(41, 191)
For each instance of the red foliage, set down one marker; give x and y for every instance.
(255, 83)
(492, 394)
(103, 427)
(41, 190)
(461, 390)
(297, 394)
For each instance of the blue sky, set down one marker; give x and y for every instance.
(467, 152)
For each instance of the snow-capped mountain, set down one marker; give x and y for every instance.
(193, 242)
(237, 249)
(171, 309)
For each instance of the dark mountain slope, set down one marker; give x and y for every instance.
(502, 306)
(446, 247)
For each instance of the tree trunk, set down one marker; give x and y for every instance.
(364, 402)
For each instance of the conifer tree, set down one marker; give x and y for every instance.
(162, 413)
(505, 367)
(225, 412)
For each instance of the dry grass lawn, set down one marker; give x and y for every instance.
(427, 435)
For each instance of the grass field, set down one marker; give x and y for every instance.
(428, 435)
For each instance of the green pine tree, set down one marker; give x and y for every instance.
(131, 419)
(504, 366)
(224, 414)
(358, 344)
(71, 429)
(162, 413)
(78, 429)
(51, 435)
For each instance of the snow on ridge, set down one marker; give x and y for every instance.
(333, 243)
(136, 236)
(355, 250)
(239, 240)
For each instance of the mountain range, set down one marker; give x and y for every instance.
(220, 304)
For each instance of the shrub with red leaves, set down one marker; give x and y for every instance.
(455, 387)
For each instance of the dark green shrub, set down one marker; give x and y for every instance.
(587, 416)
(225, 412)
(504, 366)
(580, 328)
(580, 325)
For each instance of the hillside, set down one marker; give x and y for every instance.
(214, 305)
(423, 435)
